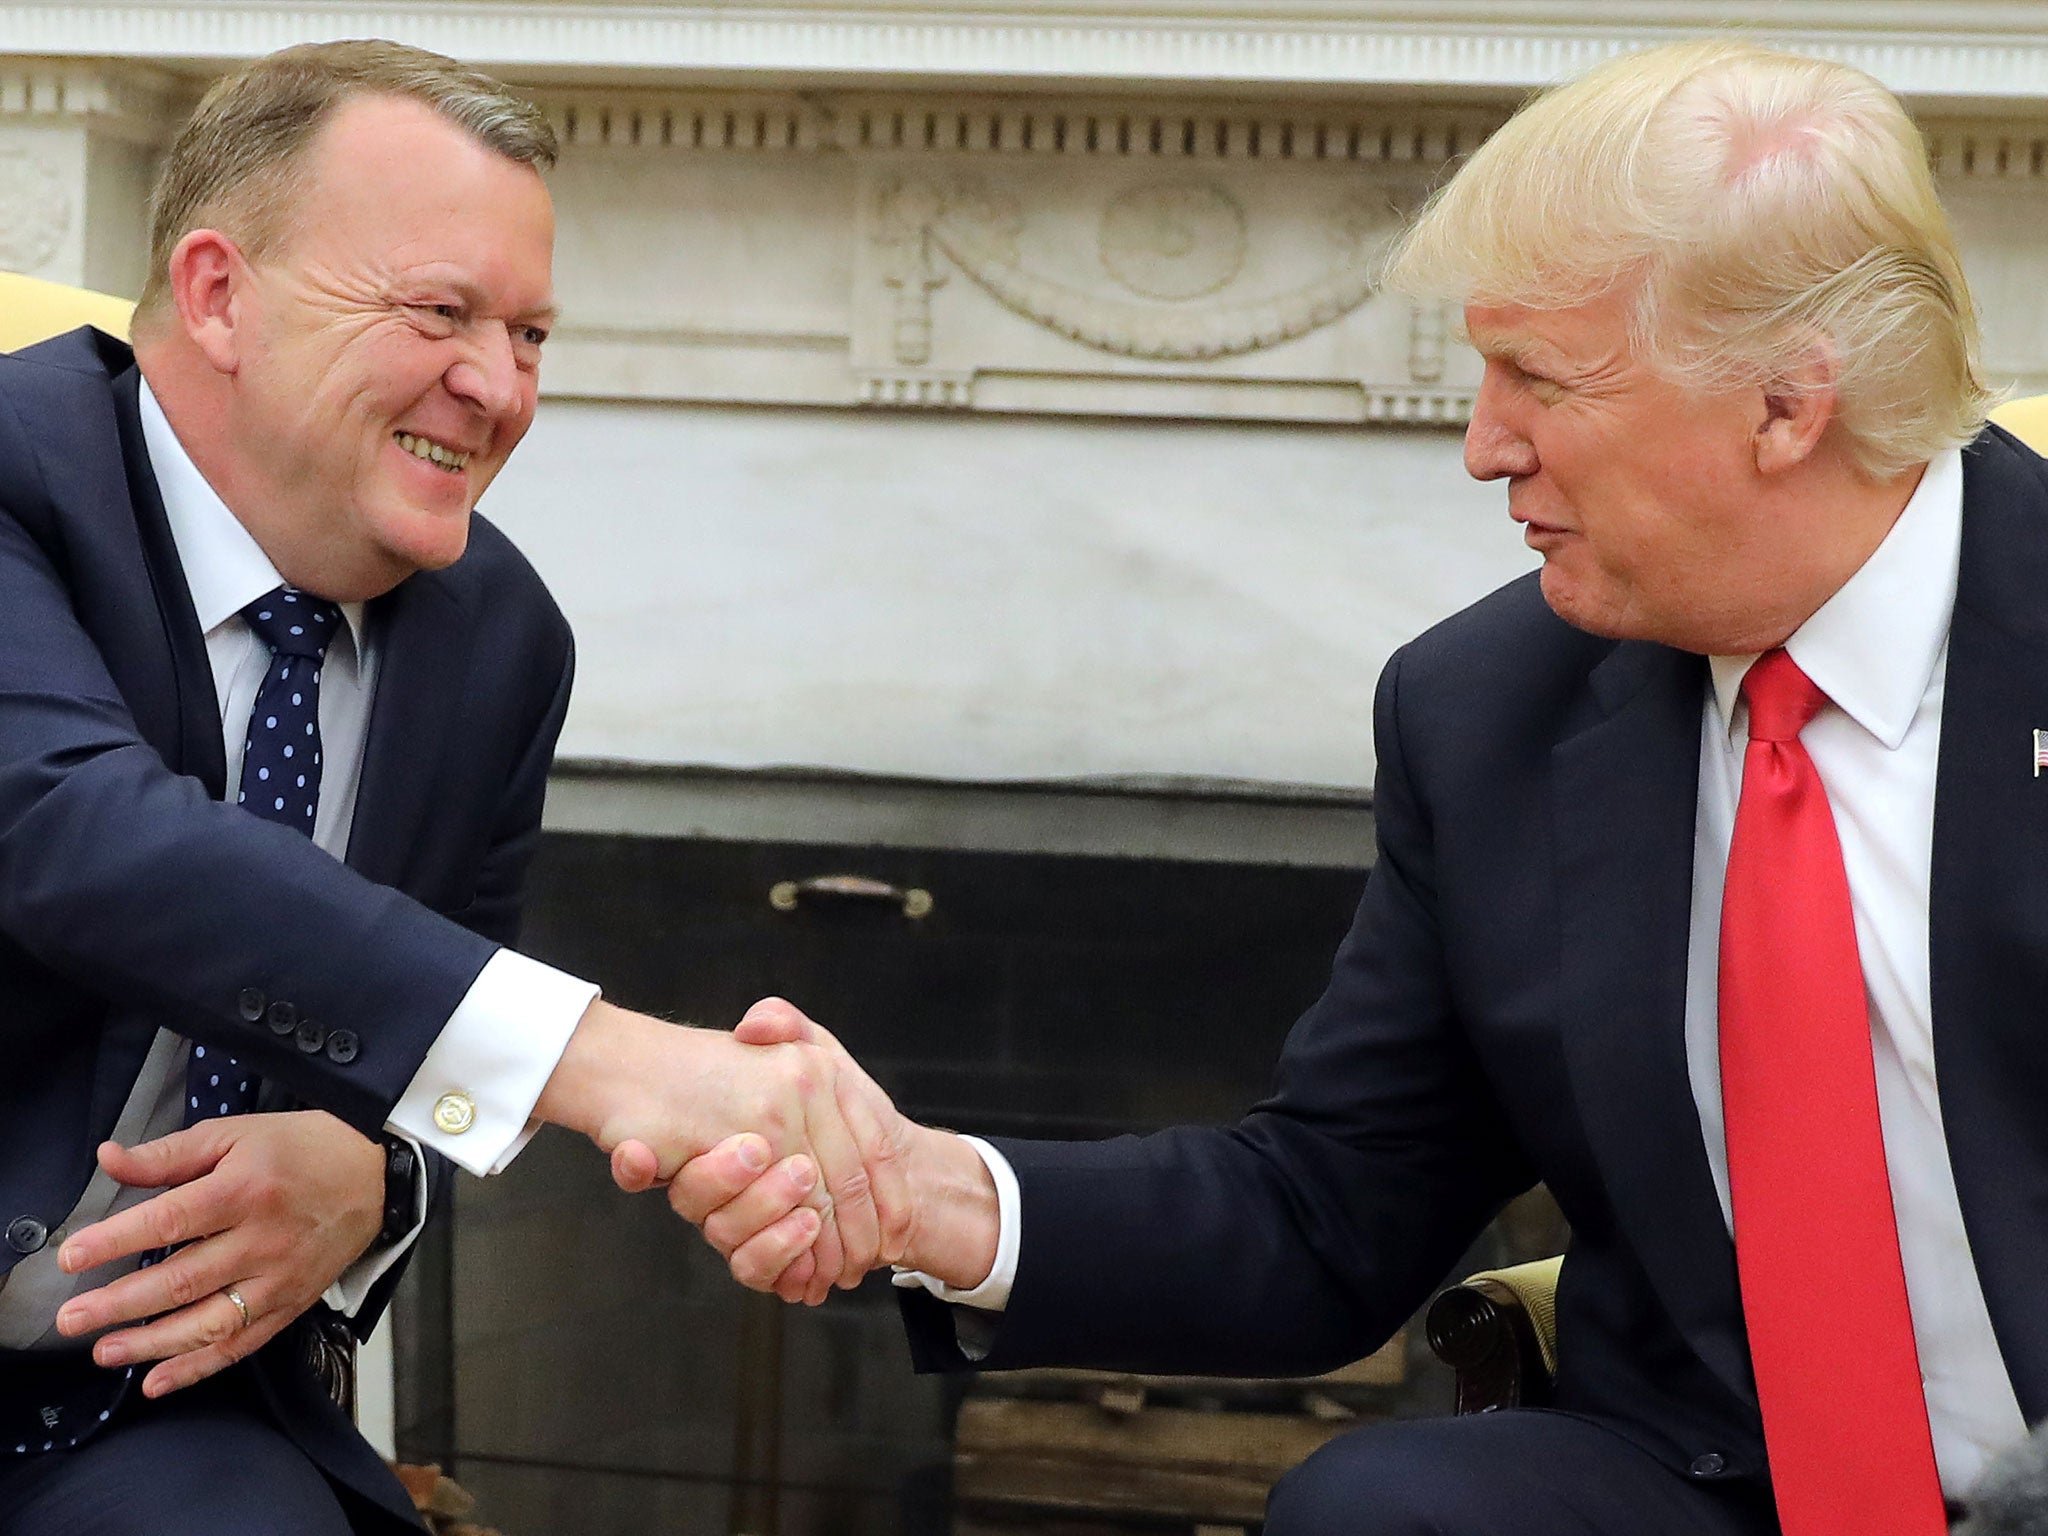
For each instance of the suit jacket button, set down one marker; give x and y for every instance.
(283, 1018)
(311, 1036)
(454, 1113)
(1713, 1464)
(25, 1234)
(342, 1046)
(251, 1004)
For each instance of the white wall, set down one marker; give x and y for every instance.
(987, 597)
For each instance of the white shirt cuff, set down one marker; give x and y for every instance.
(993, 1294)
(473, 1096)
(352, 1286)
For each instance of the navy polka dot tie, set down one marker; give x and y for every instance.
(280, 782)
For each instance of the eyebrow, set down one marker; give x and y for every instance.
(1518, 350)
(472, 298)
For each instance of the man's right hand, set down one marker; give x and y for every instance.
(934, 1195)
(655, 1095)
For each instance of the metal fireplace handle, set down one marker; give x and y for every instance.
(788, 895)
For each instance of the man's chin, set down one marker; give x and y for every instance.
(426, 541)
(1570, 601)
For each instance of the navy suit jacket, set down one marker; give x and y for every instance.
(133, 897)
(1509, 1006)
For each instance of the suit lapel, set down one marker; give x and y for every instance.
(1626, 790)
(1988, 898)
(138, 609)
(423, 635)
(158, 654)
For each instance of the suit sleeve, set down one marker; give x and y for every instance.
(128, 880)
(1303, 1236)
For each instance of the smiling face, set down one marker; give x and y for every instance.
(387, 350)
(1644, 498)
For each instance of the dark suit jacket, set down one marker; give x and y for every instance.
(132, 897)
(1509, 1007)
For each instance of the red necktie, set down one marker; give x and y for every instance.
(1816, 1243)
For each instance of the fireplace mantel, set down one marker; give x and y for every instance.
(998, 391)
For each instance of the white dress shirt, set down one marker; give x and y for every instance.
(1879, 650)
(498, 1047)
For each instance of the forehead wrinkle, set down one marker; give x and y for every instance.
(1508, 347)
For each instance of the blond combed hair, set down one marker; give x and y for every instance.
(1763, 206)
(237, 164)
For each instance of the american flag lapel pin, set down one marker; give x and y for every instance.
(2040, 752)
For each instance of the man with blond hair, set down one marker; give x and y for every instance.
(1712, 887)
(276, 718)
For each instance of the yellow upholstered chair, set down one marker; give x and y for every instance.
(2026, 420)
(32, 310)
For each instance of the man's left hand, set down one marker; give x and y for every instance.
(273, 1207)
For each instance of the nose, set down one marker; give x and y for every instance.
(1495, 449)
(488, 374)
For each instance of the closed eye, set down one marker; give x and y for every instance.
(1542, 387)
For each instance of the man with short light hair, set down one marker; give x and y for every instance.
(1713, 865)
(276, 718)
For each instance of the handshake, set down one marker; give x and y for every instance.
(772, 1140)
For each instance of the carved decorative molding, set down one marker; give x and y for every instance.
(35, 211)
(1130, 256)
(1176, 241)
(1163, 258)
(1976, 51)
(1104, 255)
(135, 102)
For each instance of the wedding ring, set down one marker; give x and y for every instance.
(241, 1306)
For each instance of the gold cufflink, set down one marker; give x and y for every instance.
(454, 1113)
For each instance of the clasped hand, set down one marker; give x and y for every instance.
(777, 1145)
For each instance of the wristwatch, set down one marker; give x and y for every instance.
(401, 1166)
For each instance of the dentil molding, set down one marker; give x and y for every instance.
(137, 102)
(1945, 49)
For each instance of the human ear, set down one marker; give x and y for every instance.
(1795, 410)
(207, 274)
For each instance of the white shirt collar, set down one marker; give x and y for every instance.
(1872, 647)
(225, 568)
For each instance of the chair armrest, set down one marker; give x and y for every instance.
(1498, 1331)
